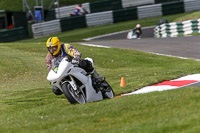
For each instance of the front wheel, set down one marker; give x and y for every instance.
(73, 96)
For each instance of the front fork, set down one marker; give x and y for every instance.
(74, 86)
(73, 83)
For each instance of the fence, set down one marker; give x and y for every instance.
(73, 23)
(105, 5)
(172, 8)
(13, 34)
(101, 18)
(191, 5)
(150, 11)
(46, 28)
(130, 3)
(125, 14)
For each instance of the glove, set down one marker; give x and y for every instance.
(75, 60)
(77, 54)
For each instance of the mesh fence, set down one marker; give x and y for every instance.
(47, 4)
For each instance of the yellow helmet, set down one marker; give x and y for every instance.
(53, 45)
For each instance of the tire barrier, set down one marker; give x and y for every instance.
(46, 28)
(131, 3)
(101, 18)
(177, 29)
(13, 34)
(149, 11)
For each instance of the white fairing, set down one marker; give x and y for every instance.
(67, 69)
(62, 67)
(51, 76)
(131, 35)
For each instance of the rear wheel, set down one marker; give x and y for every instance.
(73, 96)
(107, 92)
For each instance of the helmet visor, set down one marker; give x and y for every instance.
(52, 49)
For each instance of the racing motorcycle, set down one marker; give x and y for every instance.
(132, 35)
(77, 85)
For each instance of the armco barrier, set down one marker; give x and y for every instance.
(13, 34)
(172, 8)
(149, 11)
(105, 5)
(125, 15)
(46, 28)
(64, 11)
(163, 1)
(101, 18)
(131, 3)
(191, 5)
(72, 23)
(177, 29)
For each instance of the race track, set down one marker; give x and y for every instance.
(182, 47)
(148, 32)
(186, 47)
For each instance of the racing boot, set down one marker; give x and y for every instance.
(57, 91)
(101, 84)
(97, 80)
(97, 76)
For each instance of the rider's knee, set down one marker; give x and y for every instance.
(91, 60)
(87, 64)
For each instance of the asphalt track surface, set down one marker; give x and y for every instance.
(183, 47)
(186, 47)
(148, 32)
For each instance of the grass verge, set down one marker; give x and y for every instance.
(28, 105)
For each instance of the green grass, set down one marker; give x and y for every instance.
(28, 104)
(160, 112)
(190, 16)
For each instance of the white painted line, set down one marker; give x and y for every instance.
(149, 89)
(169, 85)
(189, 77)
(110, 34)
(172, 56)
(92, 45)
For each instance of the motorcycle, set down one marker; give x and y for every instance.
(132, 35)
(83, 12)
(77, 85)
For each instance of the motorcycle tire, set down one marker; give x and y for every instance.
(108, 92)
(71, 94)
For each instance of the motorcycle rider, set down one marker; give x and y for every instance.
(79, 10)
(138, 31)
(57, 50)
